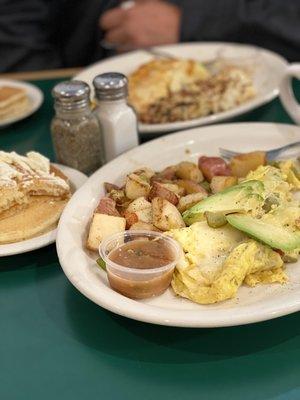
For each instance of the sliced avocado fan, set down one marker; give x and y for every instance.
(244, 197)
(275, 236)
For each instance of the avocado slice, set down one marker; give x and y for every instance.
(239, 198)
(275, 236)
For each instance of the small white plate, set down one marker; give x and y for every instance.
(251, 304)
(268, 70)
(35, 95)
(77, 179)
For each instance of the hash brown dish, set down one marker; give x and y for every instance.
(170, 90)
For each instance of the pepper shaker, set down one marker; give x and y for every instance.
(117, 119)
(76, 132)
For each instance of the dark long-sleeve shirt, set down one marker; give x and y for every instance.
(43, 34)
(274, 24)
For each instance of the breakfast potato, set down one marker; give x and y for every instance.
(110, 186)
(143, 226)
(169, 173)
(102, 226)
(219, 183)
(139, 210)
(158, 190)
(173, 187)
(139, 204)
(144, 172)
(190, 200)
(213, 166)
(166, 175)
(131, 218)
(242, 164)
(136, 187)
(117, 195)
(107, 206)
(190, 186)
(165, 215)
(120, 199)
(190, 171)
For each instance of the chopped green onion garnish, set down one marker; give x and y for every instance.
(101, 263)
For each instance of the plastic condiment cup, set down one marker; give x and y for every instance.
(138, 283)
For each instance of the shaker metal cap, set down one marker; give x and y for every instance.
(71, 93)
(110, 86)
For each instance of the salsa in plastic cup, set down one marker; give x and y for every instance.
(140, 264)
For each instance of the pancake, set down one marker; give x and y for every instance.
(33, 194)
(14, 101)
(39, 216)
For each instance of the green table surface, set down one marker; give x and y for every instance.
(56, 344)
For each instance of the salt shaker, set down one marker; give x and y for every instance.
(117, 119)
(76, 132)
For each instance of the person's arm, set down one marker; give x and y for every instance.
(25, 37)
(274, 24)
(146, 23)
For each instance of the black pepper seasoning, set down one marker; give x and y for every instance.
(76, 133)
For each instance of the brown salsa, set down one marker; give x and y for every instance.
(143, 254)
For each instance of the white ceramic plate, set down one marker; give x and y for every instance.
(251, 305)
(77, 179)
(268, 70)
(35, 95)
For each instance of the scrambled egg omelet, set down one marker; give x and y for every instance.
(217, 261)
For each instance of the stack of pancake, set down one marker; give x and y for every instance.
(14, 101)
(33, 195)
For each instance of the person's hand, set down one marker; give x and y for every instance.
(147, 23)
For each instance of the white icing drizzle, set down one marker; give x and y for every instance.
(24, 169)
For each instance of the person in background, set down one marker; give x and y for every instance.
(274, 24)
(39, 34)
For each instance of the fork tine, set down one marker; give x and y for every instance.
(227, 153)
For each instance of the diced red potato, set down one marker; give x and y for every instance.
(219, 183)
(190, 171)
(102, 226)
(107, 206)
(136, 187)
(138, 216)
(143, 226)
(213, 166)
(110, 186)
(173, 187)
(165, 215)
(190, 200)
(242, 164)
(145, 172)
(190, 186)
(139, 204)
(131, 218)
(117, 195)
(158, 190)
(168, 173)
(139, 210)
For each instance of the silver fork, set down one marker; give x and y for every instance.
(271, 154)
